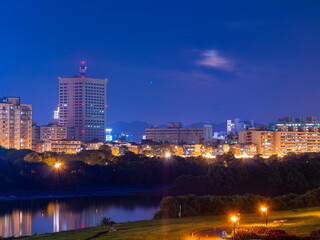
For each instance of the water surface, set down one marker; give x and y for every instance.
(27, 217)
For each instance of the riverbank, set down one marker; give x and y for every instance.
(86, 191)
(298, 221)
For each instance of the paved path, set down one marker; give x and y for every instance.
(207, 233)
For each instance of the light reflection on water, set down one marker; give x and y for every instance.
(27, 217)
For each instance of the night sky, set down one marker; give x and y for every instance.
(189, 61)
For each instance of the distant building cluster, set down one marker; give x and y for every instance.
(284, 136)
(242, 138)
(81, 117)
(80, 124)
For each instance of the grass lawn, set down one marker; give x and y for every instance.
(299, 221)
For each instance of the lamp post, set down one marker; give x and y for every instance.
(234, 220)
(265, 211)
(57, 165)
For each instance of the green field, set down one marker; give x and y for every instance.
(300, 222)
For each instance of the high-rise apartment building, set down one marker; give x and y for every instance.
(15, 123)
(82, 105)
(284, 140)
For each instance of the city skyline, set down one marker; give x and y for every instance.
(160, 119)
(205, 62)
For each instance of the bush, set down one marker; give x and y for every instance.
(315, 234)
(193, 205)
(107, 221)
(242, 234)
(259, 230)
(264, 233)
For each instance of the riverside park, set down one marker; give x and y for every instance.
(298, 222)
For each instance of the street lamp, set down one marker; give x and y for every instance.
(167, 155)
(234, 220)
(57, 165)
(265, 211)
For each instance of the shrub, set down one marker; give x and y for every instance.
(107, 221)
(242, 234)
(193, 205)
(315, 233)
(259, 230)
(264, 233)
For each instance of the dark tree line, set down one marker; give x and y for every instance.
(193, 205)
(33, 170)
(226, 175)
(272, 176)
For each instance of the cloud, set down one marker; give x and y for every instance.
(212, 59)
(190, 79)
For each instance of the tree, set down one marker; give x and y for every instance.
(105, 148)
(226, 158)
(95, 140)
(33, 157)
(123, 149)
(107, 221)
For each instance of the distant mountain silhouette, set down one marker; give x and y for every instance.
(136, 129)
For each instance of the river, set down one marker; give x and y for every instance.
(25, 215)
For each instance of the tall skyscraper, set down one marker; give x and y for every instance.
(15, 124)
(82, 104)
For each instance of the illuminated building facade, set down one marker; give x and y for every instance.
(176, 134)
(53, 131)
(56, 114)
(59, 146)
(289, 123)
(16, 124)
(264, 140)
(297, 141)
(237, 125)
(82, 104)
(109, 137)
(284, 140)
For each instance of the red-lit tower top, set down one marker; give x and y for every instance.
(83, 68)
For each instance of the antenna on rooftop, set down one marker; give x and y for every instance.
(83, 68)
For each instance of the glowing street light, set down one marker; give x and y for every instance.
(234, 220)
(265, 211)
(167, 155)
(57, 165)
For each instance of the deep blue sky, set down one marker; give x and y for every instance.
(186, 61)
